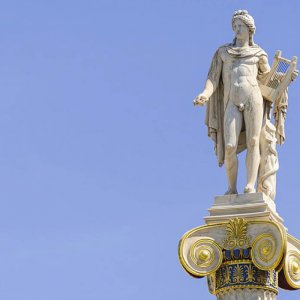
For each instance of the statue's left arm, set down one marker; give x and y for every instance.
(263, 67)
(280, 105)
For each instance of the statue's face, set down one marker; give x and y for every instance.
(240, 29)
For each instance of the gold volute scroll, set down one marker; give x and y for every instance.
(199, 252)
(292, 269)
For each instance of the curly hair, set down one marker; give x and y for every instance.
(244, 16)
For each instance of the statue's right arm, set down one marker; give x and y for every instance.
(212, 79)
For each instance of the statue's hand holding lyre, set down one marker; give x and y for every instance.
(201, 99)
(283, 71)
(295, 74)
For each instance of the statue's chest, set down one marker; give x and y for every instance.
(244, 66)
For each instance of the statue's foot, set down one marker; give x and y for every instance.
(231, 192)
(249, 189)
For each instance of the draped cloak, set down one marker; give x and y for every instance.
(217, 103)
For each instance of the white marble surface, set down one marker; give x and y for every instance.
(249, 206)
(247, 294)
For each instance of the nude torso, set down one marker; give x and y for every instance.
(239, 77)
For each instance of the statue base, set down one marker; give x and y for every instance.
(249, 206)
(243, 249)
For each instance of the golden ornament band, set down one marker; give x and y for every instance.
(244, 274)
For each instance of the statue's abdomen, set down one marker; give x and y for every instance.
(243, 82)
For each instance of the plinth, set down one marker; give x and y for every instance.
(244, 249)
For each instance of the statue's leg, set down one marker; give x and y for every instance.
(233, 120)
(253, 115)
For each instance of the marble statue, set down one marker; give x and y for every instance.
(244, 249)
(238, 114)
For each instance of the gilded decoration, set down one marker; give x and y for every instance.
(236, 254)
(240, 254)
(202, 254)
(236, 234)
(206, 256)
(266, 253)
(292, 269)
(243, 274)
(266, 247)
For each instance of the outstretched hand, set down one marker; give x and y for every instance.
(201, 99)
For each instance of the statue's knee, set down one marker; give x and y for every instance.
(229, 149)
(253, 142)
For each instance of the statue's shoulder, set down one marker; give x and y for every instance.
(221, 52)
(223, 48)
(259, 51)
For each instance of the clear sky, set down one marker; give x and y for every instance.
(104, 161)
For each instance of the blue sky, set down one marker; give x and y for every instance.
(104, 161)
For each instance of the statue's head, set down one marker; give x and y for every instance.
(243, 25)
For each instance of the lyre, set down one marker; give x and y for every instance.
(279, 77)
